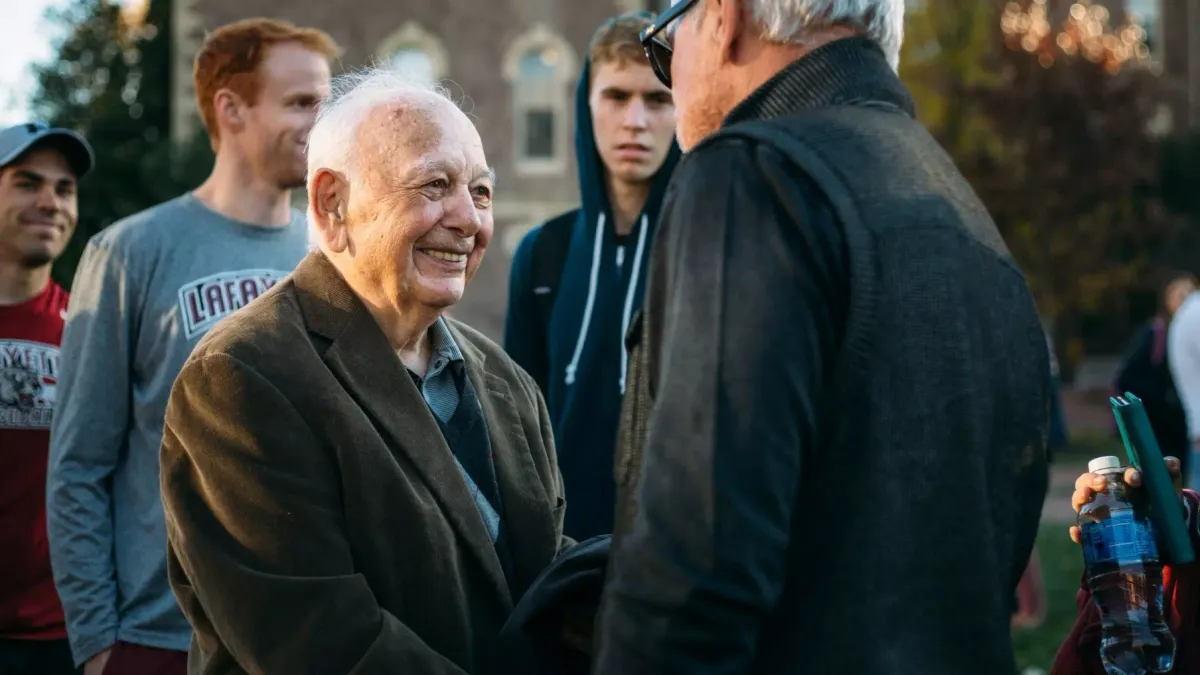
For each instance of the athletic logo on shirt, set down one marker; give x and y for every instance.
(204, 302)
(28, 375)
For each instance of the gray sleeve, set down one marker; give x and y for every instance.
(88, 432)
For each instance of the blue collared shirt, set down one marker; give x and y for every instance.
(440, 390)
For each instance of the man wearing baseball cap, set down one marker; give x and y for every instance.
(39, 169)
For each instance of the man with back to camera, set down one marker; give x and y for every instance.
(146, 290)
(840, 386)
(577, 280)
(39, 172)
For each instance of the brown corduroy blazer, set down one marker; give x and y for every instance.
(316, 519)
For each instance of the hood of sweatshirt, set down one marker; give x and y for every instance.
(601, 289)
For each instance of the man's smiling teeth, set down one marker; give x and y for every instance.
(446, 255)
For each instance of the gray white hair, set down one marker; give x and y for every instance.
(332, 141)
(793, 21)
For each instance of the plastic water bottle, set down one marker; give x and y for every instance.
(1125, 577)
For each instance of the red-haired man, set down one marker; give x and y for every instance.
(146, 290)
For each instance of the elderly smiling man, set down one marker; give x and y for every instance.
(354, 483)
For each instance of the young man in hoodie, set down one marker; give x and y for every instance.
(577, 280)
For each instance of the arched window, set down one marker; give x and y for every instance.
(540, 67)
(538, 79)
(413, 62)
(415, 52)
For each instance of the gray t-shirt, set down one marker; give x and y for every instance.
(146, 291)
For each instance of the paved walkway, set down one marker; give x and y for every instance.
(1087, 411)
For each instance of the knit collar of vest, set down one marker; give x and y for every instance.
(844, 71)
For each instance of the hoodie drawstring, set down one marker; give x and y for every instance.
(591, 302)
(629, 296)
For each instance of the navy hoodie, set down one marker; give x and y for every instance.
(581, 360)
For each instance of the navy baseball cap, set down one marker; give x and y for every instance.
(16, 140)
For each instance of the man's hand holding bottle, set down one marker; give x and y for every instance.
(1089, 484)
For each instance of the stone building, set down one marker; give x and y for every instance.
(513, 65)
(1174, 27)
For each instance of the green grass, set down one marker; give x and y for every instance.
(1062, 564)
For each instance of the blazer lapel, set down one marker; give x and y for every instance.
(527, 519)
(361, 357)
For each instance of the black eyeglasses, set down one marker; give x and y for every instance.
(658, 46)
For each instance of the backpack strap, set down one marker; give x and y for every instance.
(549, 258)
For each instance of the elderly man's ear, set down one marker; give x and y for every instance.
(329, 200)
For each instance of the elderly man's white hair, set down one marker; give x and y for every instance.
(332, 141)
(793, 21)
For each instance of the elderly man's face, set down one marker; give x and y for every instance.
(419, 215)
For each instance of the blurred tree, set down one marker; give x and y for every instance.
(1077, 191)
(944, 56)
(110, 80)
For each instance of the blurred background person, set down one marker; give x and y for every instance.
(1145, 371)
(1183, 359)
